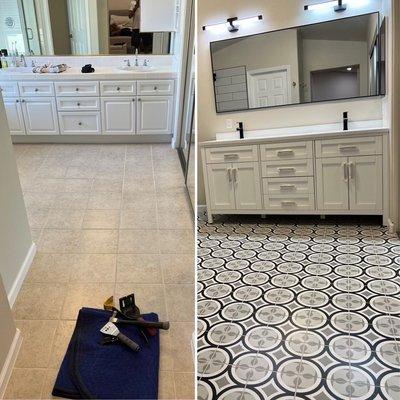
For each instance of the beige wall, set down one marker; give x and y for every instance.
(277, 14)
(7, 326)
(103, 26)
(15, 236)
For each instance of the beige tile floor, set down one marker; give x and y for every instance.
(107, 220)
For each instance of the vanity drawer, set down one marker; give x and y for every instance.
(288, 186)
(297, 202)
(33, 89)
(118, 88)
(286, 151)
(82, 123)
(77, 88)
(349, 146)
(165, 87)
(9, 89)
(231, 154)
(78, 103)
(287, 168)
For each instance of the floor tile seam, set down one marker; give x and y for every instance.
(157, 243)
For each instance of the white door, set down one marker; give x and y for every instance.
(246, 177)
(268, 88)
(119, 115)
(332, 184)
(154, 115)
(220, 186)
(14, 116)
(40, 115)
(78, 26)
(365, 183)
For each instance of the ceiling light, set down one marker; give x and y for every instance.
(336, 4)
(349, 68)
(232, 24)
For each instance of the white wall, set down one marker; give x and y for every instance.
(15, 236)
(252, 53)
(278, 14)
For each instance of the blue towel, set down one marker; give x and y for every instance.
(91, 370)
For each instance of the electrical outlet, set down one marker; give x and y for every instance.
(229, 124)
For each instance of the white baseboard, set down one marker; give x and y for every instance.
(8, 366)
(19, 280)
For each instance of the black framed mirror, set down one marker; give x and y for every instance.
(334, 60)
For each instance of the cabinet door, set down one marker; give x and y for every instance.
(247, 184)
(220, 186)
(119, 115)
(154, 114)
(365, 183)
(14, 116)
(40, 115)
(332, 184)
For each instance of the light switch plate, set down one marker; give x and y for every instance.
(229, 124)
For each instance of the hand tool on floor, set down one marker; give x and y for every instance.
(140, 323)
(111, 330)
(131, 314)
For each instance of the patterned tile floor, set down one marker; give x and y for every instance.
(107, 220)
(298, 309)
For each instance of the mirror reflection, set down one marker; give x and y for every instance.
(326, 61)
(78, 27)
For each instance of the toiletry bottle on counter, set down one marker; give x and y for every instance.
(4, 62)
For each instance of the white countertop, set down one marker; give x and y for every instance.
(101, 73)
(308, 132)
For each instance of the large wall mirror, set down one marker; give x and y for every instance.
(87, 27)
(333, 60)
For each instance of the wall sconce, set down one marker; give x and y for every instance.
(338, 6)
(232, 24)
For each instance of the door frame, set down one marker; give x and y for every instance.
(251, 74)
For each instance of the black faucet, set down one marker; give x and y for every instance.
(345, 121)
(240, 130)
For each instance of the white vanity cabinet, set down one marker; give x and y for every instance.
(322, 175)
(14, 115)
(90, 107)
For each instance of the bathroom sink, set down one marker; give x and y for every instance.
(134, 68)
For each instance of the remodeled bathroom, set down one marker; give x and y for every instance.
(298, 200)
(97, 199)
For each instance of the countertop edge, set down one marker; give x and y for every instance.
(307, 136)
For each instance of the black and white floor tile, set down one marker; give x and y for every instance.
(298, 309)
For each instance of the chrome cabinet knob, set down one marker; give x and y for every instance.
(155, 87)
(118, 88)
(78, 104)
(36, 90)
(77, 89)
(80, 123)
(17, 101)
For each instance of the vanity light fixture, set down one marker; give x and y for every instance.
(338, 5)
(349, 68)
(232, 24)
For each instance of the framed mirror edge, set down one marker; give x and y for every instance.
(381, 91)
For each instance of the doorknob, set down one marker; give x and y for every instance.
(70, 36)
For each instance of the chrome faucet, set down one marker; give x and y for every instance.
(136, 58)
(23, 61)
(127, 63)
(146, 63)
